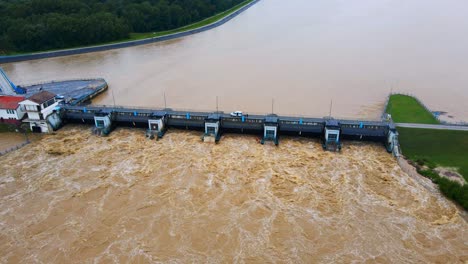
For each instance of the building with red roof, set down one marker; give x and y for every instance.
(10, 109)
(38, 107)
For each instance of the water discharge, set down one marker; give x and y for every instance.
(302, 53)
(75, 198)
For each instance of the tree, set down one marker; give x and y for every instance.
(34, 25)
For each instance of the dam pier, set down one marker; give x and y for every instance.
(213, 124)
(48, 106)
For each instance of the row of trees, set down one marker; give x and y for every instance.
(33, 25)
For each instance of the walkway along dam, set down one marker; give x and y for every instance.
(214, 124)
(68, 107)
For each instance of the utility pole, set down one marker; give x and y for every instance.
(272, 105)
(217, 108)
(331, 105)
(165, 104)
(26, 136)
(113, 98)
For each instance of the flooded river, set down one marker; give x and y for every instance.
(301, 53)
(10, 140)
(72, 197)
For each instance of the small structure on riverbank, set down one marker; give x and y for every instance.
(71, 91)
(39, 100)
(11, 111)
(38, 107)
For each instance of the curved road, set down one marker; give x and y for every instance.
(125, 44)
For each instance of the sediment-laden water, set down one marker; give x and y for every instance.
(301, 53)
(10, 140)
(76, 198)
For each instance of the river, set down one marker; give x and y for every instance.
(76, 198)
(72, 197)
(9, 140)
(301, 54)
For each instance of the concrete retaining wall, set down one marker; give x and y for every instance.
(6, 151)
(43, 55)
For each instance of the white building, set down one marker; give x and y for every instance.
(10, 110)
(38, 107)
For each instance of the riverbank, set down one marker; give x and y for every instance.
(408, 109)
(13, 137)
(5, 128)
(140, 39)
(440, 155)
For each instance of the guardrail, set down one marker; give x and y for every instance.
(64, 80)
(117, 108)
(51, 54)
(454, 123)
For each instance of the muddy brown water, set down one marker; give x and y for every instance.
(10, 140)
(76, 198)
(301, 53)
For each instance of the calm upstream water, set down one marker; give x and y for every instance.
(301, 53)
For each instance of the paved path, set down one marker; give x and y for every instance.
(426, 126)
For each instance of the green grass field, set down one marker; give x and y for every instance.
(439, 148)
(406, 109)
(7, 128)
(444, 148)
(431, 148)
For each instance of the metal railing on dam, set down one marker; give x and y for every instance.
(67, 52)
(270, 126)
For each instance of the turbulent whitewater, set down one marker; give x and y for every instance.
(72, 197)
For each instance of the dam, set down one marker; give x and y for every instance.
(214, 124)
(71, 98)
(73, 197)
(327, 50)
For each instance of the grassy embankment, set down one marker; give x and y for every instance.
(24, 127)
(7, 128)
(429, 148)
(406, 109)
(140, 36)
